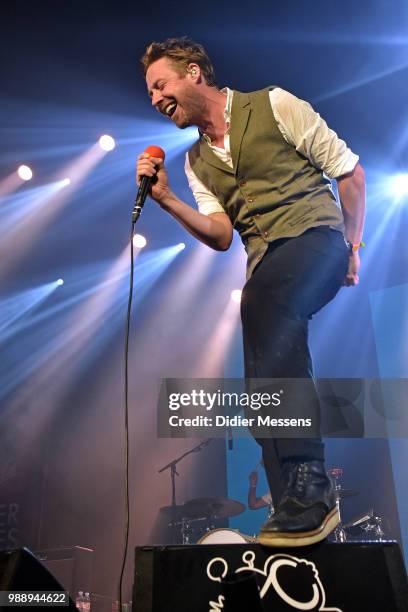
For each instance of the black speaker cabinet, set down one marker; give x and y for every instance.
(349, 577)
(20, 570)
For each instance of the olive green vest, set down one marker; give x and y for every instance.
(272, 191)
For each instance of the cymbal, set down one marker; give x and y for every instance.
(345, 492)
(204, 507)
(214, 507)
(359, 520)
(175, 513)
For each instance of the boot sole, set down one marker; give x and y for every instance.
(304, 538)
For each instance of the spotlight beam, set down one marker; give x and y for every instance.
(9, 184)
(361, 82)
(19, 306)
(19, 240)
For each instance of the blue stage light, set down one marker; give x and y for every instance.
(139, 241)
(25, 173)
(107, 143)
(60, 281)
(399, 185)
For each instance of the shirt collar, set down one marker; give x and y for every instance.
(228, 105)
(227, 113)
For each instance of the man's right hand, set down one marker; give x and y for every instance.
(154, 167)
(215, 229)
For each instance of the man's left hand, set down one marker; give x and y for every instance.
(352, 277)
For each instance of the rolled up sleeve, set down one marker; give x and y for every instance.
(305, 129)
(206, 201)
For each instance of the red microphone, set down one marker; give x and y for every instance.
(154, 151)
(145, 183)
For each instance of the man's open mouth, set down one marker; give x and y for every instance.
(170, 109)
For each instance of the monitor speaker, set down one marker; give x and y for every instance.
(20, 570)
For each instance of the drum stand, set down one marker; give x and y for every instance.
(173, 473)
(339, 534)
(185, 531)
(369, 523)
(375, 525)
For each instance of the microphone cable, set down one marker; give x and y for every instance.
(126, 417)
(158, 152)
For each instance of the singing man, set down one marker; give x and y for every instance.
(263, 165)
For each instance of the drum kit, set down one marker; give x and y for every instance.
(195, 521)
(364, 527)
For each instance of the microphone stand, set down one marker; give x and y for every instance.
(173, 473)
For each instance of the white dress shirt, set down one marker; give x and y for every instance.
(300, 126)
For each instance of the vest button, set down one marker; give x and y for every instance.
(242, 183)
(266, 234)
(250, 200)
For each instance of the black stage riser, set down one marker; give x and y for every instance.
(349, 577)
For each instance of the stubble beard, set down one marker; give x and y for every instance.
(193, 108)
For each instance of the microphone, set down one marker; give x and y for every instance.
(145, 183)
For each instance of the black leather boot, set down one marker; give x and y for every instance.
(307, 512)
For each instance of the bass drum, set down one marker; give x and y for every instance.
(225, 536)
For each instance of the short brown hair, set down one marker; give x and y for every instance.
(182, 52)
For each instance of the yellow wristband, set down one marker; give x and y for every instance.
(354, 247)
